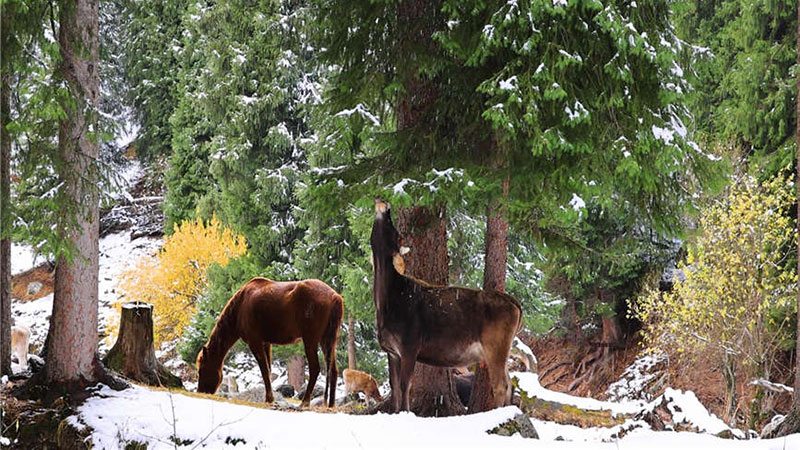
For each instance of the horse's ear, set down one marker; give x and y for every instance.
(399, 263)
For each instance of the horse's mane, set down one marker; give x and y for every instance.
(226, 324)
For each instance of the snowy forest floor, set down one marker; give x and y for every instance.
(162, 419)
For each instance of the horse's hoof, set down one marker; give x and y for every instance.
(304, 404)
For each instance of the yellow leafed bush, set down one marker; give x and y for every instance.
(735, 304)
(173, 280)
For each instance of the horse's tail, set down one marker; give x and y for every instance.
(329, 338)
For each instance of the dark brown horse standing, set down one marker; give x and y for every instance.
(265, 312)
(443, 326)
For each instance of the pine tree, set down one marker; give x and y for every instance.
(241, 65)
(36, 99)
(22, 28)
(744, 96)
(71, 360)
(151, 48)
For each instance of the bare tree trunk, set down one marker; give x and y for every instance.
(296, 372)
(72, 361)
(433, 391)
(496, 246)
(133, 354)
(612, 334)
(494, 278)
(791, 423)
(5, 225)
(731, 398)
(351, 341)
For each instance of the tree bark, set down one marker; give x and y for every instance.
(791, 423)
(496, 245)
(612, 334)
(433, 391)
(296, 372)
(494, 278)
(133, 354)
(351, 341)
(5, 224)
(72, 360)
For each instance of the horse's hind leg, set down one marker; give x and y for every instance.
(259, 351)
(313, 371)
(330, 381)
(498, 379)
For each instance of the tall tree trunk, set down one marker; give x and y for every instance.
(351, 341)
(72, 362)
(494, 278)
(791, 423)
(296, 372)
(5, 222)
(495, 247)
(433, 391)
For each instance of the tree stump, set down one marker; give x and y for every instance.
(133, 355)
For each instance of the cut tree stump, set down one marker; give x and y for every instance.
(133, 355)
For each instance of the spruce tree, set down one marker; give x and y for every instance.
(237, 126)
(150, 51)
(744, 97)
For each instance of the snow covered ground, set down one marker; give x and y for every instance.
(162, 419)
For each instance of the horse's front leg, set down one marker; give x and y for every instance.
(394, 381)
(313, 371)
(259, 351)
(407, 362)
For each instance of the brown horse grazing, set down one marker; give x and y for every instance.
(436, 325)
(265, 312)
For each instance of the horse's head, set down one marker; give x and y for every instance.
(209, 375)
(385, 240)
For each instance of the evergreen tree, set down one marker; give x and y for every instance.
(242, 63)
(151, 48)
(71, 361)
(744, 96)
(791, 423)
(246, 73)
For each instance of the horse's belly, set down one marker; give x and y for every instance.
(284, 340)
(451, 356)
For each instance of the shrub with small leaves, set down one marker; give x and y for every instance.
(736, 303)
(174, 280)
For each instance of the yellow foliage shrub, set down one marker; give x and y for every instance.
(174, 279)
(732, 307)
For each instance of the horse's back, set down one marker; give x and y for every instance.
(317, 289)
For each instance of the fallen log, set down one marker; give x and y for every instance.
(550, 410)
